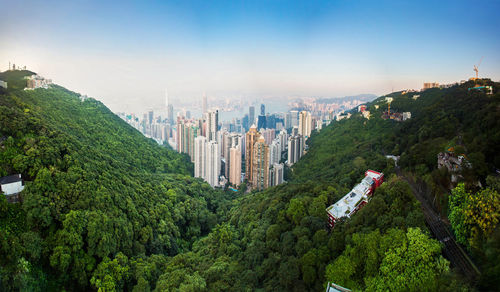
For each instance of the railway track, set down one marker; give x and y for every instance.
(452, 250)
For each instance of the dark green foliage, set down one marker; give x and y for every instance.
(105, 208)
(96, 190)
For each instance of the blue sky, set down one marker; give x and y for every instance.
(127, 52)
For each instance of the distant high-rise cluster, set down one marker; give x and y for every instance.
(251, 149)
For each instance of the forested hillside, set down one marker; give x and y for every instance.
(97, 192)
(278, 239)
(105, 208)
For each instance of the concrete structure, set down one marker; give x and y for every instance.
(251, 115)
(269, 135)
(186, 133)
(305, 124)
(200, 156)
(212, 125)
(36, 81)
(356, 198)
(3, 84)
(276, 174)
(275, 152)
(260, 165)
(11, 186)
(250, 138)
(235, 166)
(428, 85)
(295, 149)
(212, 163)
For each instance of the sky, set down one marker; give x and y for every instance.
(126, 53)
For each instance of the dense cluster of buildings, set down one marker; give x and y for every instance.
(37, 81)
(255, 149)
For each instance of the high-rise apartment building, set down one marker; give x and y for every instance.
(276, 175)
(269, 135)
(200, 156)
(251, 116)
(235, 165)
(212, 163)
(250, 138)
(275, 152)
(212, 125)
(150, 117)
(287, 120)
(305, 124)
(186, 133)
(295, 149)
(260, 165)
(170, 114)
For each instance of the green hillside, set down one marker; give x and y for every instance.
(105, 208)
(96, 189)
(277, 239)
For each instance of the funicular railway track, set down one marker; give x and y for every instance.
(452, 250)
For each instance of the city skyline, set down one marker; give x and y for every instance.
(126, 54)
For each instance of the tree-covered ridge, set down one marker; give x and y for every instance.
(97, 217)
(95, 188)
(278, 240)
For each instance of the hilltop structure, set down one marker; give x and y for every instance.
(37, 81)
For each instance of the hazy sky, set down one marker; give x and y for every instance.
(125, 53)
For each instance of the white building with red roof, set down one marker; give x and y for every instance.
(356, 198)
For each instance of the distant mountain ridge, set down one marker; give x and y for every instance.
(362, 97)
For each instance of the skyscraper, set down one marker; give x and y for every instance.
(276, 174)
(235, 166)
(305, 124)
(262, 110)
(250, 138)
(186, 133)
(200, 156)
(251, 116)
(212, 163)
(295, 149)
(170, 114)
(260, 165)
(261, 122)
(150, 117)
(275, 152)
(288, 120)
(212, 125)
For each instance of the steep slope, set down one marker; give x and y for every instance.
(278, 239)
(96, 188)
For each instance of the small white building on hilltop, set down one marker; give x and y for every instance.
(3, 84)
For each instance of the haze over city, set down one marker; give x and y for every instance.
(126, 53)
